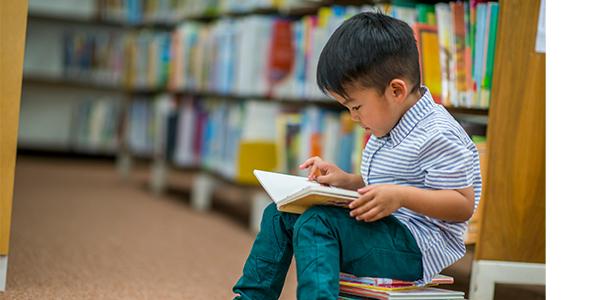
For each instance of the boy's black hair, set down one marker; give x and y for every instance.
(370, 49)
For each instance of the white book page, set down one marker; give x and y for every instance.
(280, 186)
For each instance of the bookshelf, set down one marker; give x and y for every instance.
(510, 246)
(72, 19)
(154, 86)
(12, 31)
(65, 82)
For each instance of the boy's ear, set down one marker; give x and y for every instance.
(398, 89)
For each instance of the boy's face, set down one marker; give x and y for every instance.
(372, 110)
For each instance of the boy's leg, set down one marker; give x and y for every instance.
(269, 260)
(327, 240)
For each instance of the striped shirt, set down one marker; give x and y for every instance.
(427, 149)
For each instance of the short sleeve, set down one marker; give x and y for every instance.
(447, 162)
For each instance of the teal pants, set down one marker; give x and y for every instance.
(325, 240)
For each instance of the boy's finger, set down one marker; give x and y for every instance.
(363, 209)
(360, 201)
(307, 163)
(366, 189)
(368, 215)
(377, 217)
(314, 172)
(322, 165)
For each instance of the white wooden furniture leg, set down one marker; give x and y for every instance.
(3, 271)
(260, 201)
(158, 177)
(124, 164)
(486, 273)
(202, 192)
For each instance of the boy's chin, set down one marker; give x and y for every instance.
(370, 131)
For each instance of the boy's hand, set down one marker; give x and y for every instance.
(377, 201)
(324, 172)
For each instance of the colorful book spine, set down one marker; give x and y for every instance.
(481, 13)
(426, 14)
(460, 68)
(491, 52)
(429, 56)
(444, 31)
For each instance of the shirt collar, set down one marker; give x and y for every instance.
(411, 118)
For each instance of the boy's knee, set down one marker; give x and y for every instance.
(270, 211)
(325, 211)
(318, 210)
(318, 214)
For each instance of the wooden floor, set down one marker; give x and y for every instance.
(79, 232)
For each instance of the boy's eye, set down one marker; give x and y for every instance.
(356, 107)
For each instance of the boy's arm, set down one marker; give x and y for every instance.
(355, 182)
(381, 200)
(447, 205)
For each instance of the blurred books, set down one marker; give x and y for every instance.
(233, 138)
(202, 75)
(276, 56)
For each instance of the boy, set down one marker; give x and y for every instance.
(420, 178)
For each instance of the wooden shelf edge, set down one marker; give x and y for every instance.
(70, 82)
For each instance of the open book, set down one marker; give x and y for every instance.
(295, 194)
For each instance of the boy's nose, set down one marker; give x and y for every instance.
(354, 116)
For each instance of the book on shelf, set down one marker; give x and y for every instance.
(486, 84)
(295, 194)
(287, 127)
(184, 154)
(429, 56)
(461, 93)
(444, 24)
(425, 14)
(486, 24)
(276, 56)
(95, 125)
(139, 127)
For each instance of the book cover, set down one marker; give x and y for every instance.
(281, 51)
(379, 282)
(480, 32)
(460, 80)
(201, 118)
(344, 158)
(295, 194)
(468, 56)
(444, 26)
(486, 37)
(171, 141)
(472, 16)
(331, 136)
(287, 130)
(491, 46)
(184, 155)
(412, 294)
(429, 56)
(426, 14)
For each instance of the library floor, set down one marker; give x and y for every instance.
(79, 232)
